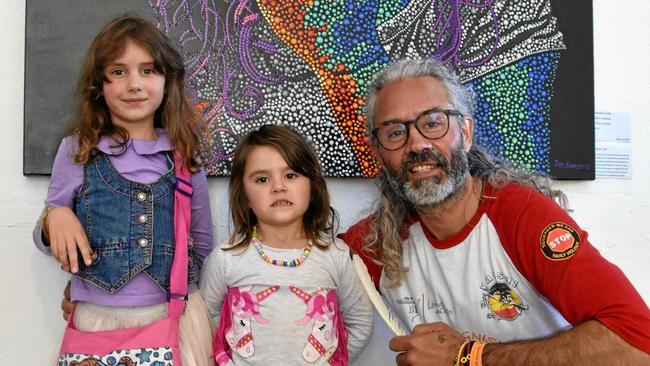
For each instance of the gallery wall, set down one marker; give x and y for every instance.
(614, 212)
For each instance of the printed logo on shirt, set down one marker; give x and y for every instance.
(559, 241)
(501, 298)
(473, 335)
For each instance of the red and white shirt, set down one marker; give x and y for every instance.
(520, 269)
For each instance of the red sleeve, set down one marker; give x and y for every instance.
(353, 237)
(554, 254)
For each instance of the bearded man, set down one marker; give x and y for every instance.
(477, 260)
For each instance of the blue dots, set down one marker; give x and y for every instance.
(513, 109)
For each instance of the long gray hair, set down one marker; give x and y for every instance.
(384, 241)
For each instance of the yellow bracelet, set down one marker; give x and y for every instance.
(460, 351)
(41, 222)
(476, 354)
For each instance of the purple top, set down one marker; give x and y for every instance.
(144, 162)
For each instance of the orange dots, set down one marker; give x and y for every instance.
(201, 106)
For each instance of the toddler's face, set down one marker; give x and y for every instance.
(278, 195)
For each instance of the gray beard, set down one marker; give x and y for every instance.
(435, 191)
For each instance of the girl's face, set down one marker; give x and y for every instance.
(134, 90)
(277, 195)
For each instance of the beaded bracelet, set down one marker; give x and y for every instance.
(469, 354)
(41, 220)
(460, 353)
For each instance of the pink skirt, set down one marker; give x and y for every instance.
(195, 328)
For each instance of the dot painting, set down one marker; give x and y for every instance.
(308, 64)
(512, 111)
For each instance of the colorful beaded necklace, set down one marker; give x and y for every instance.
(276, 262)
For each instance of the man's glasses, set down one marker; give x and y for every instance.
(432, 124)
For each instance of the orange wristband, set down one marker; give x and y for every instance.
(476, 353)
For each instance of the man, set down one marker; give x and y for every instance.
(466, 248)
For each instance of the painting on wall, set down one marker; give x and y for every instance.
(308, 63)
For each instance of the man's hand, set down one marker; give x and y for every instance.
(66, 304)
(429, 344)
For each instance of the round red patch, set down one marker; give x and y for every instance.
(559, 241)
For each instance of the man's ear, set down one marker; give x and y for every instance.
(468, 131)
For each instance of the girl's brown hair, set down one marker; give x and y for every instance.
(175, 114)
(320, 220)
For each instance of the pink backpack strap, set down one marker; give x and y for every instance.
(340, 355)
(182, 218)
(220, 349)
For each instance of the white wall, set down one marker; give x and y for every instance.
(614, 212)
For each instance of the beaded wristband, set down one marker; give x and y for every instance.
(41, 221)
(460, 353)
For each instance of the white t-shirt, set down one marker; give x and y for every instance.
(286, 315)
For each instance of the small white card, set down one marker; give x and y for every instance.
(612, 126)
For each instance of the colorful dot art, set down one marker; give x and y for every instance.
(308, 63)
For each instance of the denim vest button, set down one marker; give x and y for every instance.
(142, 218)
(142, 196)
(143, 242)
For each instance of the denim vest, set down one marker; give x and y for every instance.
(130, 226)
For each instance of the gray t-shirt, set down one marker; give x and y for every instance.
(286, 315)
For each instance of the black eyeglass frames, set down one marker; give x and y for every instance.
(432, 124)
